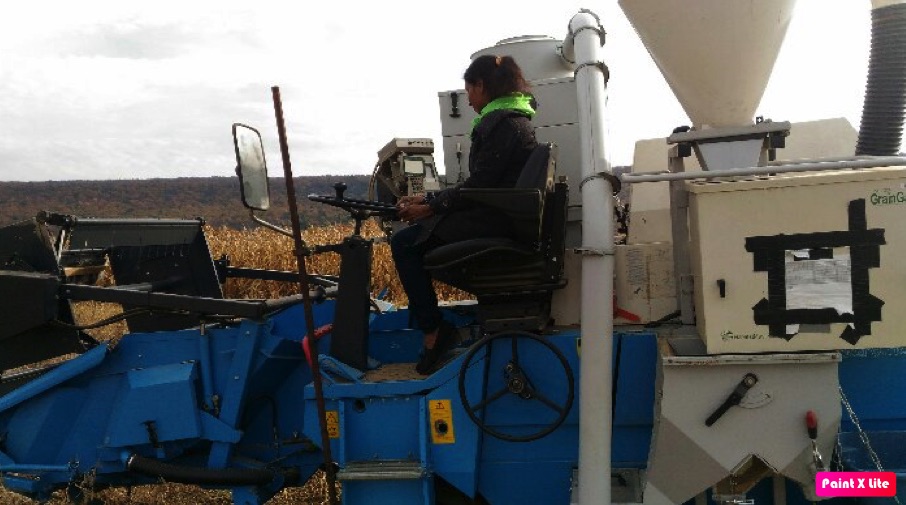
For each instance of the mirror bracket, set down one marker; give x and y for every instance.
(272, 226)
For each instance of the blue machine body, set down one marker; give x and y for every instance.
(229, 401)
(239, 395)
(150, 396)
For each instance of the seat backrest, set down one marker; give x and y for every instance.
(539, 169)
(553, 230)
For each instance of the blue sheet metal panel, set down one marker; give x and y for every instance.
(62, 373)
(278, 366)
(38, 427)
(163, 395)
(529, 469)
(312, 426)
(634, 401)
(561, 445)
(381, 428)
(393, 340)
(890, 447)
(526, 482)
(457, 462)
(635, 384)
(544, 371)
(145, 350)
(236, 386)
(459, 315)
(395, 345)
(90, 422)
(39, 489)
(873, 381)
(505, 463)
(630, 446)
(290, 397)
(290, 323)
(391, 492)
(538, 471)
(391, 321)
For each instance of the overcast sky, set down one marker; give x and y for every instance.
(120, 90)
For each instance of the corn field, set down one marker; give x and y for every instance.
(257, 248)
(262, 248)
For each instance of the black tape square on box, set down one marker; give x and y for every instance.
(769, 254)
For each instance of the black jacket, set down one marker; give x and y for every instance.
(501, 144)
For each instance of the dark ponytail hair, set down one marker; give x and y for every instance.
(500, 74)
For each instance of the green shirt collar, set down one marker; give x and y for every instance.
(516, 101)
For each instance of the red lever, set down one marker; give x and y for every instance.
(811, 422)
(625, 314)
(319, 332)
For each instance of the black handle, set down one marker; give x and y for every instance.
(735, 397)
(340, 188)
(454, 102)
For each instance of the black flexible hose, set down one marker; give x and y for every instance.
(881, 131)
(199, 476)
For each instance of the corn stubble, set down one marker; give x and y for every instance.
(258, 248)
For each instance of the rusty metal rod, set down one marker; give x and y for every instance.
(301, 250)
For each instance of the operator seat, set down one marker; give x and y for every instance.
(513, 279)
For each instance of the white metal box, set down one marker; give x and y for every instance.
(557, 121)
(800, 262)
(644, 285)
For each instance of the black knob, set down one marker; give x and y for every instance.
(441, 426)
(454, 103)
(340, 188)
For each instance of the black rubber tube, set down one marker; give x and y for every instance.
(881, 130)
(199, 476)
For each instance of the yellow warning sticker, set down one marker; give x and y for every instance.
(441, 416)
(333, 423)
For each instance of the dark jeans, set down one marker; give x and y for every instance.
(410, 266)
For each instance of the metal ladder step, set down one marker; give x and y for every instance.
(382, 470)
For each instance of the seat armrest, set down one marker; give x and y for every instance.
(523, 205)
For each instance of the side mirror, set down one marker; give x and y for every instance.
(251, 167)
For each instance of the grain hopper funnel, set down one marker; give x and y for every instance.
(717, 55)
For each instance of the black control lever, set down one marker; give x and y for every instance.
(735, 397)
(339, 188)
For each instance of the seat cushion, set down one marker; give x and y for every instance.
(466, 250)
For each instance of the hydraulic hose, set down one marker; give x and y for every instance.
(200, 476)
(881, 130)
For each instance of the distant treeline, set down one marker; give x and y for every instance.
(216, 199)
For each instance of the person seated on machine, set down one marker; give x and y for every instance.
(502, 139)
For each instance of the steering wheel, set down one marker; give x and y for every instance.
(516, 382)
(365, 208)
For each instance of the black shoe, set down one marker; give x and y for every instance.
(431, 357)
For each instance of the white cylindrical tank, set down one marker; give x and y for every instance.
(537, 55)
(880, 4)
(717, 55)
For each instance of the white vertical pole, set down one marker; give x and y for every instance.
(585, 40)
